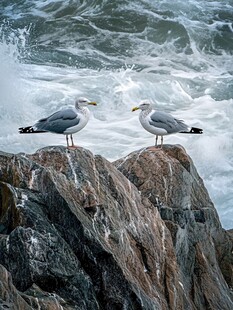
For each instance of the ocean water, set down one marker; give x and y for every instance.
(176, 53)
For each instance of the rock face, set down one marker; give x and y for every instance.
(78, 232)
(203, 249)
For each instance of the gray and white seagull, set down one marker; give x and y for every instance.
(161, 123)
(67, 121)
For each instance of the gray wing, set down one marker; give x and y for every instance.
(59, 121)
(167, 122)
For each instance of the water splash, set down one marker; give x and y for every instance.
(15, 92)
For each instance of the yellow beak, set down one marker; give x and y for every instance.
(135, 109)
(92, 103)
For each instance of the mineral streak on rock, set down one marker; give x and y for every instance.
(79, 232)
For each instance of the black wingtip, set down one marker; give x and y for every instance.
(196, 130)
(29, 129)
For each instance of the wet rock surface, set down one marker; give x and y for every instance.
(79, 232)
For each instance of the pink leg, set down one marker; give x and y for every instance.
(72, 147)
(67, 141)
(161, 142)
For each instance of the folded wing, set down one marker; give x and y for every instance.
(168, 122)
(58, 122)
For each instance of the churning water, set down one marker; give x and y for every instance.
(176, 53)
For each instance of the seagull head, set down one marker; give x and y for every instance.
(83, 102)
(144, 105)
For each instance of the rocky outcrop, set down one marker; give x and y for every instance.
(168, 178)
(78, 232)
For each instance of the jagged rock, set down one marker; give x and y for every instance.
(35, 298)
(77, 234)
(168, 178)
(9, 297)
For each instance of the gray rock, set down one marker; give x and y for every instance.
(78, 234)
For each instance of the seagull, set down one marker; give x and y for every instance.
(161, 123)
(67, 121)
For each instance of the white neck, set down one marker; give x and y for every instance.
(144, 113)
(83, 110)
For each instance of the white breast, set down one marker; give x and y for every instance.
(144, 120)
(83, 120)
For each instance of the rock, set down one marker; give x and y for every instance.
(35, 298)
(9, 297)
(78, 232)
(168, 178)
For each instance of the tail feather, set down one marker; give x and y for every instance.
(194, 130)
(29, 129)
